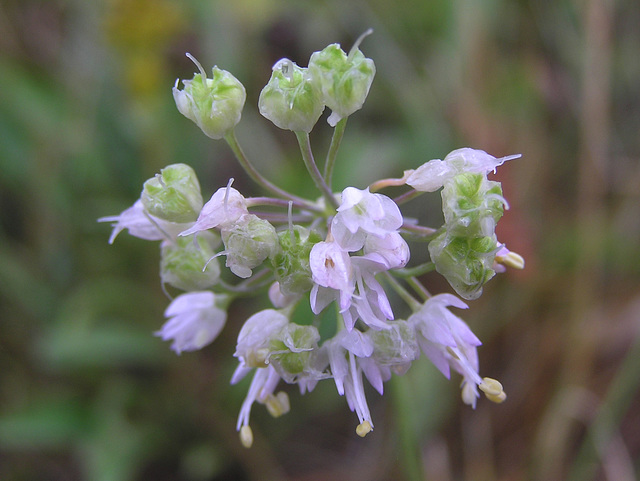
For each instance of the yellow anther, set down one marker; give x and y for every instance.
(258, 358)
(363, 429)
(512, 259)
(278, 405)
(246, 436)
(493, 390)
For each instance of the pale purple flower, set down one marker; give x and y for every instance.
(261, 389)
(252, 348)
(432, 175)
(194, 321)
(343, 351)
(224, 208)
(362, 213)
(392, 248)
(369, 301)
(448, 342)
(141, 224)
(332, 276)
(350, 281)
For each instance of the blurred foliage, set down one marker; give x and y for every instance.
(86, 115)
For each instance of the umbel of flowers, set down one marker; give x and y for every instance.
(341, 253)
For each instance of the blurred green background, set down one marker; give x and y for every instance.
(86, 115)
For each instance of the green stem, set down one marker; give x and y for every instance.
(338, 132)
(402, 292)
(415, 271)
(407, 196)
(310, 163)
(258, 178)
(419, 288)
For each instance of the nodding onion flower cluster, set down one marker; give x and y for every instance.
(343, 251)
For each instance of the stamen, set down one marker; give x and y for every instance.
(246, 436)
(202, 72)
(290, 215)
(363, 429)
(159, 177)
(287, 69)
(512, 259)
(222, 253)
(493, 390)
(357, 43)
(278, 405)
(226, 194)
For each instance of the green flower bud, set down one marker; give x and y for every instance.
(173, 194)
(291, 350)
(345, 79)
(291, 99)
(466, 262)
(248, 243)
(291, 264)
(183, 262)
(215, 105)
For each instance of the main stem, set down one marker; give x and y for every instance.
(338, 132)
(310, 163)
(259, 179)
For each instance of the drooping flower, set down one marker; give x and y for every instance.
(223, 209)
(252, 349)
(195, 320)
(362, 213)
(343, 351)
(448, 342)
(432, 175)
(141, 224)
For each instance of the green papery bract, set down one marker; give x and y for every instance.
(345, 79)
(291, 99)
(248, 243)
(183, 260)
(291, 264)
(291, 350)
(173, 195)
(466, 262)
(215, 105)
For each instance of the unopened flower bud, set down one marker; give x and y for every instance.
(215, 104)
(173, 194)
(248, 243)
(291, 264)
(183, 262)
(291, 99)
(345, 79)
